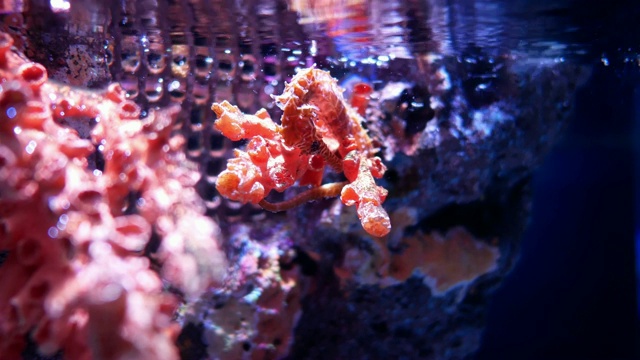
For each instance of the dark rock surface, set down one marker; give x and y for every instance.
(472, 179)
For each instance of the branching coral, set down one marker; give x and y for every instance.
(75, 277)
(317, 129)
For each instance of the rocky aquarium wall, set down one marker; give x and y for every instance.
(185, 179)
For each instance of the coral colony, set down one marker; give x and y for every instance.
(318, 129)
(77, 276)
(111, 249)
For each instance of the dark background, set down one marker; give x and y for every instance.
(573, 294)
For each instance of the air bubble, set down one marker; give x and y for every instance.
(153, 88)
(226, 67)
(177, 90)
(155, 58)
(271, 68)
(130, 54)
(203, 62)
(248, 68)
(130, 86)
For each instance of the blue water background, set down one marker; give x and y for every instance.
(574, 292)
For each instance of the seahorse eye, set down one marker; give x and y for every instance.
(315, 147)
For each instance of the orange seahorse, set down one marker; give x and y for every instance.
(318, 127)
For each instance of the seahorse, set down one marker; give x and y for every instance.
(317, 119)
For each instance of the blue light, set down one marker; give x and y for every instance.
(12, 112)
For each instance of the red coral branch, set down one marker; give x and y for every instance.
(75, 277)
(365, 194)
(318, 128)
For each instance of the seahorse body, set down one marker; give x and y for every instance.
(317, 119)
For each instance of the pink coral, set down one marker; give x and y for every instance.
(318, 128)
(75, 277)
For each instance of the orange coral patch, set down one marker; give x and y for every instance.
(445, 261)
